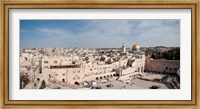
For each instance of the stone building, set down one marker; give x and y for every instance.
(77, 69)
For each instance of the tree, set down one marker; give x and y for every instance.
(25, 80)
(43, 85)
(153, 56)
(173, 54)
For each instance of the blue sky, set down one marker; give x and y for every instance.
(99, 33)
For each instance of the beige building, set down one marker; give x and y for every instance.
(73, 69)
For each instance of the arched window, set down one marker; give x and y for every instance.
(142, 69)
(138, 69)
(55, 62)
(77, 83)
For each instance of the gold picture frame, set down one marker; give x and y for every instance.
(100, 4)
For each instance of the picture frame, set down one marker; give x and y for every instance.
(99, 4)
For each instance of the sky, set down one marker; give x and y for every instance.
(102, 33)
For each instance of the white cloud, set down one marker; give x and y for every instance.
(53, 33)
(112, 33)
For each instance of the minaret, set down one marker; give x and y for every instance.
(123, 48)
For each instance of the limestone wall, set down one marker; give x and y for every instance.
(162, 66)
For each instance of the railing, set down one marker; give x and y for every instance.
(65, 66)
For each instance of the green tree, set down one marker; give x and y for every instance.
(43, 85)
(173, 54)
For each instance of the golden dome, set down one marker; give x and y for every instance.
(136, 47)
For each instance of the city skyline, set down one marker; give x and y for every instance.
(99, 33)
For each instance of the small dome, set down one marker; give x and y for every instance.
(136, 47)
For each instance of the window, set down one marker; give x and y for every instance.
(46, 67)
(74, 78)
(55, 62)
(56, 74)
(45, 61)
(63, 74)
(74, 71)
(78, 71)
(90, 69)
(78, 77)
(166, 68)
